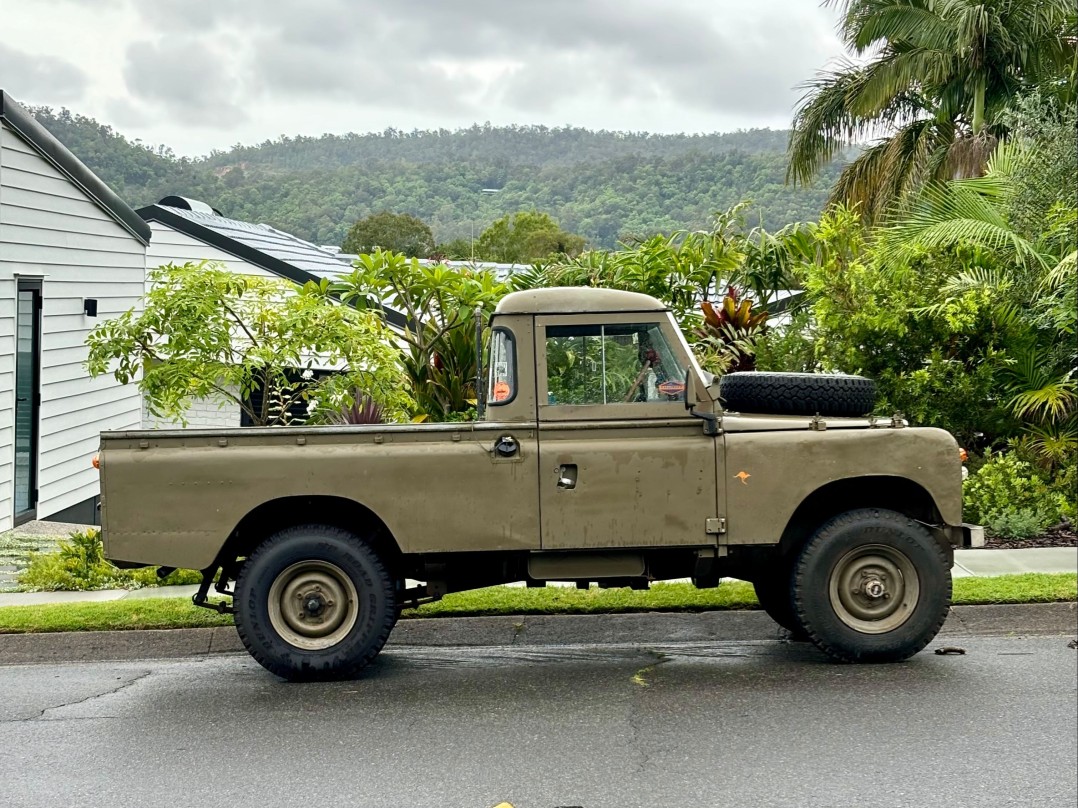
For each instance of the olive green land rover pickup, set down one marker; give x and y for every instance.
(603, 454)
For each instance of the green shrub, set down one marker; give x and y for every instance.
(79, 565)
(1011, 499)
(1065, 484)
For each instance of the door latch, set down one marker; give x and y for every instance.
(567, 476)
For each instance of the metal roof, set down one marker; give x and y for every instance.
(261, 245)
(267, 240)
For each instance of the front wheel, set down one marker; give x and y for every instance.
(315, 602)
(871, 585)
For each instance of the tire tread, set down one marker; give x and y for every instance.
(833, 395)
(817, 544)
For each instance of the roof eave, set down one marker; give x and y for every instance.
(52, 150)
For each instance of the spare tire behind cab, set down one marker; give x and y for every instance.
(833, 395)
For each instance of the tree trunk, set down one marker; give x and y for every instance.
(978, 106)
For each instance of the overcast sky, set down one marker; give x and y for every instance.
(204, 74)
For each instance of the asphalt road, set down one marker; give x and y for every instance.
(738, 724)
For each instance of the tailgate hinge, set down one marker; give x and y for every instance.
(716, 525)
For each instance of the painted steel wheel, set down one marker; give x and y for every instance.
(315, 602)
(871, 585)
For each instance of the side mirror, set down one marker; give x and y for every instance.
(690, 389)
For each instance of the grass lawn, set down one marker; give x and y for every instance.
(162, 613)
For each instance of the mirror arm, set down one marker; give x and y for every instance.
(711, 421)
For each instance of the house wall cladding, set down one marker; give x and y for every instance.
(203, 413)
(169, 246)
(50, 229)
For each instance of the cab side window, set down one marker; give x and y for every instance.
(611, 364)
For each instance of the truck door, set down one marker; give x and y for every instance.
(622, 463)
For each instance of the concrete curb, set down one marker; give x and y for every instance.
(536, 630)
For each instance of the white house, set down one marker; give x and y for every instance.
(187, 230)
(71, 253)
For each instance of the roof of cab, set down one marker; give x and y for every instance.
(576, 300)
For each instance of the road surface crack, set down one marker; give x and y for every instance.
(42, 715)
(636, 716)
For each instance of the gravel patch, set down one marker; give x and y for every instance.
(17, 545)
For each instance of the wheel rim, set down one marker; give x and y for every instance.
(874, 589)
(313, 605)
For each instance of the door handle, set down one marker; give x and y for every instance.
(567, 476)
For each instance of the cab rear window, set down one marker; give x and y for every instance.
(502, 383)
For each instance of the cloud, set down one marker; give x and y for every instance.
(194, 72)
(41, 79)
(123, 113)
(433, 55)
(185, 78)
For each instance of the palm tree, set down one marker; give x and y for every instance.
(930, 81)
(1030, 282)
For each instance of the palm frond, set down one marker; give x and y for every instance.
(902, 22)
(887, 171)
(1061, 274)
(823, 122)
(946, 215)
(1039, 392)
(1052, 402)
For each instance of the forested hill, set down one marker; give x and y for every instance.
(512, 145)
(602, 185)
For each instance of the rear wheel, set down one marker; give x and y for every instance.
(871, 585)
(315, 602)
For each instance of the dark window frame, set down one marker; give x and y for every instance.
(515, 385)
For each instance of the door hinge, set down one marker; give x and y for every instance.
(715, 526)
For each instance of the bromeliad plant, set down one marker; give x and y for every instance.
(726, 341)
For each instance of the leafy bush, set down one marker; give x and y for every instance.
(79, 565)
(1010, 498)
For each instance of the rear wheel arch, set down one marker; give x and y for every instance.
(271, 517)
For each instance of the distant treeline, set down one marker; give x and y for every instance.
(602, 185)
